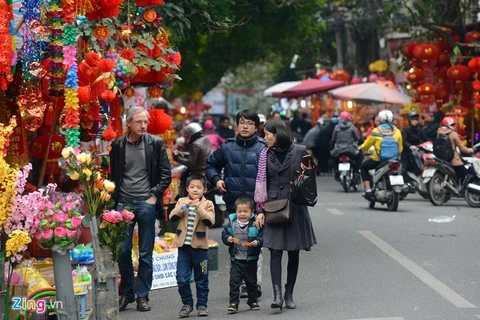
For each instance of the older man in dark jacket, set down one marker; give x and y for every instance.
(141, 172)
(238, 158)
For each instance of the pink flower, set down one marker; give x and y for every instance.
(69, 205)
(35, 223)
(127, 215)
(60, 232)
(76, 221)
(47, 235)
(71, 233)
(112, 216)
(60, 217)
(118, 216)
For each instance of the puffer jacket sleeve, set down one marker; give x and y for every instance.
(215, 164)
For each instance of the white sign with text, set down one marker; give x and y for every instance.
(164, 269)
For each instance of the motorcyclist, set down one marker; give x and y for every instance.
(448, 127)
(198, 149)
(413, 136)
(345, 139)
(386, 128)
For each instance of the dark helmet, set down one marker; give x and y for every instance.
(412, 115)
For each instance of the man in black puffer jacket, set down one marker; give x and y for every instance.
(238, 158)
(413, 135)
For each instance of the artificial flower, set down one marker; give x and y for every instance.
(108, 185)
(76, 221)
(88, 173)
(60, 217)
(60, 232)
(105, 196)
(127, 215)
(74, 176)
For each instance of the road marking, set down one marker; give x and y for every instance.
(453, 297)
(478, 316)
(387, 318)
(335, 212)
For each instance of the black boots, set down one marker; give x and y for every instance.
(289, 303)
(277, 297)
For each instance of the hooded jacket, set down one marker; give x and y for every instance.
(376, 138)
(238, 158)
(253, 234)
(344, 137)
(413, 136)
(456, 142)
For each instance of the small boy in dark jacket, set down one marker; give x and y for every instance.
(244, 241)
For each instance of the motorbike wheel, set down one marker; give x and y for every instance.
(371, 204)
(393, 203)
(473, 200)
(437, 195)
(345, 184)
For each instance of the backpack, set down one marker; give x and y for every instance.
(388, 149)
(442, 148)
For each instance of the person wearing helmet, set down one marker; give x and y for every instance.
(345, 139)
(412, 135)
(198, 150)
(386, 128)
(260, 131)
(215, 139)
(448, 128)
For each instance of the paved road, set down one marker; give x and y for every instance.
(368, 265)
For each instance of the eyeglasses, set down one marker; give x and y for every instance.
(140, 122)
(246, 123)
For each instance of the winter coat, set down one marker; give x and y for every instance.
(298, 234)
(413, 136)
(204, 218)
(312, 137)
(456, 142)
(376, 138)
(214, 138)
(326, 134)
(253, 234)
(238, 158)
(198, 152)
(345, 137)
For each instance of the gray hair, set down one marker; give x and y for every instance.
(136, 110)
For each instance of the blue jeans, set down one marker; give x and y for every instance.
(145, 217)
(196, 259)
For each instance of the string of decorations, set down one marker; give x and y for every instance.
(6, 58)
(72, 113)
(55, 22)
(31, 49)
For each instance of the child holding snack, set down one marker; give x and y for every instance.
(244, 241)
(196, 215)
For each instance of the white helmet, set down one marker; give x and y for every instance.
(385, 116)
(192, 128)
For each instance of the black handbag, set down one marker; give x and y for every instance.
(304, 189)
(277, 211)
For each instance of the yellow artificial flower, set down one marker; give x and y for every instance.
(82, 157)
(108, 185)
(105, 196)
(98, 177)
(75, 176)
(66, 152)
(16, 242)
(87, 172)
(88, 158)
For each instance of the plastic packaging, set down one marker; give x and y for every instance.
(442, 219)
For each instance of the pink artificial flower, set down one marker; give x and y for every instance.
(69, 205)
(127, 215)
(76, 221)
(60, 217)
(118, 216)
(38, 235)
(110, 216)
(47, 234)
(60, 232)
(35, 223)
(71, 233)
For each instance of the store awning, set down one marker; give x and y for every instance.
(309, 87)
(280, 87)
(371, 92)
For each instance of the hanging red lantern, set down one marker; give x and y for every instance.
(147, 3)
(443, 59)
(160, 122)
(428, 53)
(108, 96)
(408, 49)
(441, 92)
(415, 76)
(426, 91)
(459, 73)
(108, 134)
(476, 85)
(472, 36)
(474, 64)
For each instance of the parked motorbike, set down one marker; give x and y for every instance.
(346, 169)
(387, 185)
(443, 182)
(415, 175)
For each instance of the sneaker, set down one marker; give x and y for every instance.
(185, 311)
(243, 292)
(254, 306)
(202, 311)
(259, 291)
(233, 308)
(368, 195)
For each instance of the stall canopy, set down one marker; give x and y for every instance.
(371, 92)
(280, 87)
(308, 87)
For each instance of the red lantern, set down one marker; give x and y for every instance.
(108, 134)
(476, 85)
(415, 76)
(472, 36)
(108, 96)
(443, 59)
(459, 73)
(426, 52)
(474, 64)
(426, 89)
(147, 3)
(408, 49)
(160, 122)
(441, 92)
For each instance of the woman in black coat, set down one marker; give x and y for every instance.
(279, 164)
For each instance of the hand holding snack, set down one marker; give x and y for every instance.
(250, 244)
(235, 240)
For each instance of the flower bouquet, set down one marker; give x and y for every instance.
(59, 225)
(113, 230)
